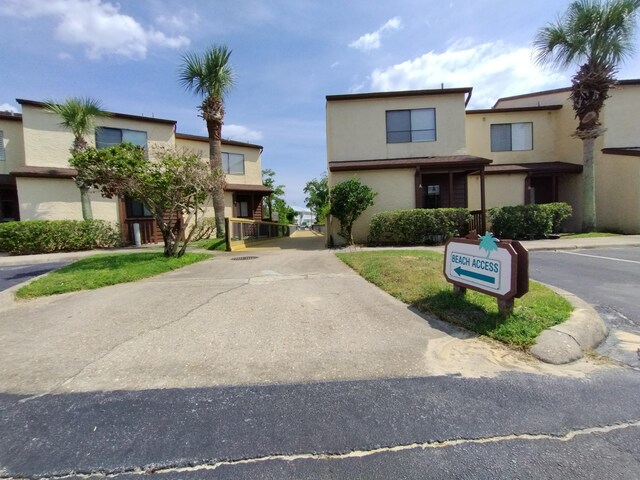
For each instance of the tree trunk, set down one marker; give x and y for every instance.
(588, 186)
(85, 202)
(214, 128)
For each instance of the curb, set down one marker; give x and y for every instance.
(568, 341)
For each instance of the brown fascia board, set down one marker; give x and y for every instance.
(201, 138)
(536, 167)
(44, 172)
(532, 94)
(451, 161)
(16, 117)
(513, 109)
(241, 187)
(632, 81)
(125, 116)
(628, 151)
(402, 93)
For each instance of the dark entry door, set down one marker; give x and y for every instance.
(442, 191)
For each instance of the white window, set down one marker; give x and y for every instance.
(2, 157)
(109, 137)
(417, 125)
(507, 137)
(233, 163)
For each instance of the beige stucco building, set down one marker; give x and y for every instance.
(409, 147)
(36, 181)
(424, 149)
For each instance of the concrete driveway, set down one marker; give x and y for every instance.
(285, 315)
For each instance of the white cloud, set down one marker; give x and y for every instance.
(371, 41)
(65, 56)
(95, 24)
(493, 69)
(7, 107)
(178, 22)
(241, 133)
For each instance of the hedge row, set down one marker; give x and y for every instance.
(418, 226)
(528, 221)
(48, 236)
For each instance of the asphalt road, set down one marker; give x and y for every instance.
(609, 279)
(512, 426)
(11, 275)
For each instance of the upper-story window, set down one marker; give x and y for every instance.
(233, 163)
(418, 125)
(507, 137)
(109, 137)
(2, 157)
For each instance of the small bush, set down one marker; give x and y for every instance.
(528, 221)
(204, 228)
(559, 212)
(49, 236)
(418, 226)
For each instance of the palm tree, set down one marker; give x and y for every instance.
(597, 35)
(210, 75)
(77, 114)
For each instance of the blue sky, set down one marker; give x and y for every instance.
(287, 54)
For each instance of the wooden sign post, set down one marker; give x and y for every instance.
(488, 265)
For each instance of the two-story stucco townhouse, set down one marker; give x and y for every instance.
(409, 147)
(421, 149)
(36, 181)
(537, 160)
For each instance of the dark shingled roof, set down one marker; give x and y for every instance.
(539, 167)
(450, 161)
(241, 187)
(44, 172)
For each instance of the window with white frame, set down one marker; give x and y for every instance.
(508, 137)
(233, 163)
(108, 137)
(2, 156)
(418, 125)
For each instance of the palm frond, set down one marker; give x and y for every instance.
(591, 31)
(77, 113)
(209, 74)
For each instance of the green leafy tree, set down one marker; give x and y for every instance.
(317, 199)
(77, 114)
(597, 36)
(348, 200)
(277, 191)
(174, 185)
(211, 76)
(275, 201)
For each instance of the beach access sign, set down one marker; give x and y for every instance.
(488, 265)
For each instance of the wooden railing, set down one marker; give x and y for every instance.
(240, 232)
(149, 233)
(477, 222)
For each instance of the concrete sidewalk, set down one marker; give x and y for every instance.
(272, 316)
(536, 245)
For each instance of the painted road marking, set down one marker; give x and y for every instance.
(598, 256)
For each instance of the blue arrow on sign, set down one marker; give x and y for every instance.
(478, 276)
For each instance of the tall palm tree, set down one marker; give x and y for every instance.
(210, 75)
(597, 35)
(77, 114)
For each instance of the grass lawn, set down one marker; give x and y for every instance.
(210, 244)
(102, 270)
(416, 278)
(590, 235)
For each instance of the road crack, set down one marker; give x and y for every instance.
(567, 437)
(130, 339)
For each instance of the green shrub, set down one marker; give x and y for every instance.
(559, 212)
(528, 221)
(49, 236)
(418, 226)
